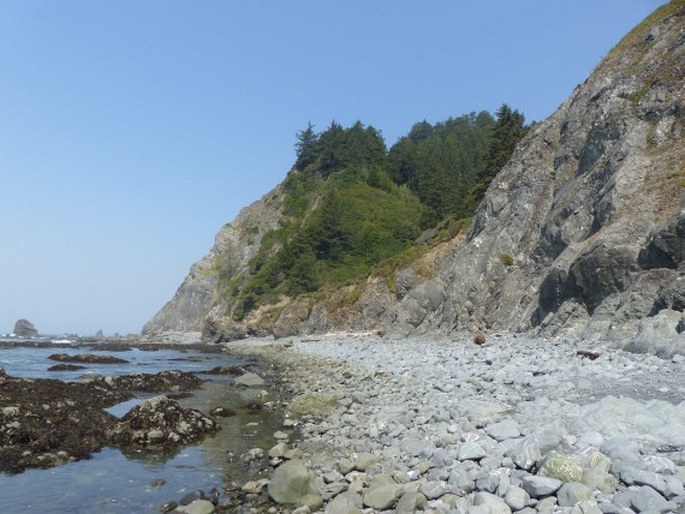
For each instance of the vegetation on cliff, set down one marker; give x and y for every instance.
(350, 203)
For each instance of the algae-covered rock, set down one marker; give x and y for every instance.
(312, 404)
(564, 467)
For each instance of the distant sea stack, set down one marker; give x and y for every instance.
(24, 328)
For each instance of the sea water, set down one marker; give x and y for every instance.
(111, 482)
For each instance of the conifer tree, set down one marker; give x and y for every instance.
(305, 146)
(507, 132)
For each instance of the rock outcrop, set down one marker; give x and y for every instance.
(24, 328)
(160, 423)
(581, 234)
(582, 231)
(235, 244)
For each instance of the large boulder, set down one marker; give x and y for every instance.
(292, 483)
(24, 328)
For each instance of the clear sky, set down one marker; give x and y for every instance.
(132, 130)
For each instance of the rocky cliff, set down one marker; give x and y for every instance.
(580, 234)
(234, 246)
(583, 231)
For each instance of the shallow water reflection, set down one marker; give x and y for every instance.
(112, 482)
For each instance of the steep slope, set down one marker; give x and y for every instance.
(582, 232)
(235, 245)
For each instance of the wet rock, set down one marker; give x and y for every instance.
(222, 412)
(87, 358)
(254, 486)
(252, 455)
(164, 381)
(278, 451)
(249, 380)
(225, 370)
(160, 423)
(199, 494)
(157, 482)
(66, 367)
(196, 507)
(44, 422)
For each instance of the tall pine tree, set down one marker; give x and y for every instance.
(507, 132)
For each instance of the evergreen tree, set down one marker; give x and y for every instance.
(506, 134)
(331, 149)
(508, 131)
(306, 147)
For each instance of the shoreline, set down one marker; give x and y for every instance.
(439, 425)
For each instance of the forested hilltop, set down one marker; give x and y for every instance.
(350, 204)
(579, 232)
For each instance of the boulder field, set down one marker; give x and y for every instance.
(516, 425)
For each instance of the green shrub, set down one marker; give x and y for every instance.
(506, 259)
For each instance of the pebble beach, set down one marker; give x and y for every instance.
(519, 424)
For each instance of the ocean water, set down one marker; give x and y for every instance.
(111, 482)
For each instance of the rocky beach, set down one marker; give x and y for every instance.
(518, 424)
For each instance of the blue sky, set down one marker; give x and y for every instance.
(131, 131)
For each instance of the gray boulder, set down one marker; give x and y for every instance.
(646, 499)
(383, 496)
(572, 493)
(517, 498)
(496, 504)
(345, 503)
(505, 429)
(291, 483)
(539, 487)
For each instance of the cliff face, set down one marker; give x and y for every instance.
(581, 234)
(234, 246)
